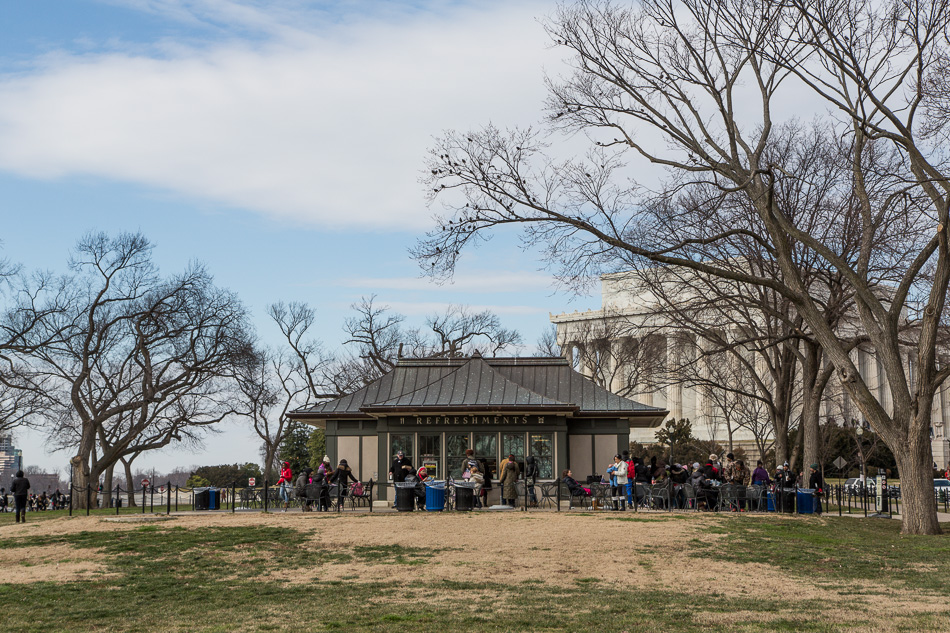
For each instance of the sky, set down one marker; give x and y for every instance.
(281, 143)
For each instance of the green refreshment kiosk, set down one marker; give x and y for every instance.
(434, 409)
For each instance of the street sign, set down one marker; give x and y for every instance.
(251, 482)
(144, 482)
(840, 463)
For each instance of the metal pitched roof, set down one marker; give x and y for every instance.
(473, 385)
(450, 383)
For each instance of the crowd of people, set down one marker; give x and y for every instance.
(24, 501)
(627, 471)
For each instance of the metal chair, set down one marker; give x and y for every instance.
(728, 499)
(660, 496)
(362, 499)
(642, 496)
(572, 496)
(548, 495)
(691, 500)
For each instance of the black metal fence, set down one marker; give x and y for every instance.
(545, 495)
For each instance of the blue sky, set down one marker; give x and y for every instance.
(280, 143)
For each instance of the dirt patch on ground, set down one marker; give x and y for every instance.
(650, 552)
(51, 563)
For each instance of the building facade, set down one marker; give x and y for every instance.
(435, 409)
(630, 314)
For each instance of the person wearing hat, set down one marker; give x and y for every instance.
(283, 484)
(816, 483)
(342, 477)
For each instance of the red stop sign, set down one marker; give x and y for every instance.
(144, 482)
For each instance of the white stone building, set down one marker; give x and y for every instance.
(631, 314)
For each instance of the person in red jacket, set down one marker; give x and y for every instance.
(286, 477)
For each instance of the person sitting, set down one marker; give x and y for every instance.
(323, 491)
(300, 489)
(573, 486)
(679, 477)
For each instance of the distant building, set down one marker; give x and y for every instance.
(631, 314)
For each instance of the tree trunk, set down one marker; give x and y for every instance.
(811, 406)
(107, 487)
(81, 479)
(129, 484)
(919, 514)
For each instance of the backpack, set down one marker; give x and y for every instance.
(357, 489)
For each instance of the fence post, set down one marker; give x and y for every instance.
(177, 490)
(88, 500)
(144, 490)
(233, 495)
(117, 499)
(265, 495)
(168, 497)
(838, 490)
(71, 492)
(557, 483)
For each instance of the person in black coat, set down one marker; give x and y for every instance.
(342, 477)
(20, 490)
(531, 478)
(401, 468)
(816, 482)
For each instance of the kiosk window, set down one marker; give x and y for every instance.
(456, 444)
(542, 448)
(486, 449)
(513, 444)
(430, 454)
(400, 443)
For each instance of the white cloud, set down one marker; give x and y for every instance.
(328, 127)
(487, 281)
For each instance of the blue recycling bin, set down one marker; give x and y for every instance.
(806, 501)
(770, 504)
(435, 496)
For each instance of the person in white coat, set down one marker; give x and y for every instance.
(618, 482)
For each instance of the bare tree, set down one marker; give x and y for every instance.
(133, 351)
(381, 339)
(682, 73)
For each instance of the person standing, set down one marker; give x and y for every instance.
(509, 481)
(618, 482)
(284, 483)
(20, 490)
(531, 478)
(817, 483)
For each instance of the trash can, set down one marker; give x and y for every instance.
(806, 501)
(202, 498)
(465, 496)
(787, 501)
(435, 496)
(405, 496)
